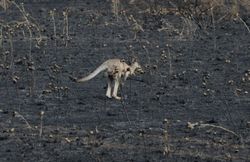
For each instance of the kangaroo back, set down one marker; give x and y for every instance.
(94, 73)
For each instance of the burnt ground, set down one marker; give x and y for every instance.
(192, 104)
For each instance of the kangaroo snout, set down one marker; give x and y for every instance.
(140, 71)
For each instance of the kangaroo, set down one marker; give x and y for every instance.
(116, 70)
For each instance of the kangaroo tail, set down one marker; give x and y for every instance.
(93, 74)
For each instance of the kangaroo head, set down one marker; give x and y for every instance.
(136, 68)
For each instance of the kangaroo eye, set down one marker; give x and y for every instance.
(128, 69)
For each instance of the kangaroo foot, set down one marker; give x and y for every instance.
(117, 97)
(108, 95)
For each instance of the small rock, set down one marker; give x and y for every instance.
(40, 102)
(248, 124)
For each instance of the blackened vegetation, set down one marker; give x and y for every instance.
(192, 104)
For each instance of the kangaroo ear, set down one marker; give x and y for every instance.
(122, 60)
(134, 59)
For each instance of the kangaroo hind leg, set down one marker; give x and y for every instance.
(116, 86)
(108, 92)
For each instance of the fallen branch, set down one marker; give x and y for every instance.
(220, 127)
(18, 115)
(201, 125)
(245, 24)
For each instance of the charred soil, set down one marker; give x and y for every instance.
(192, 104)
